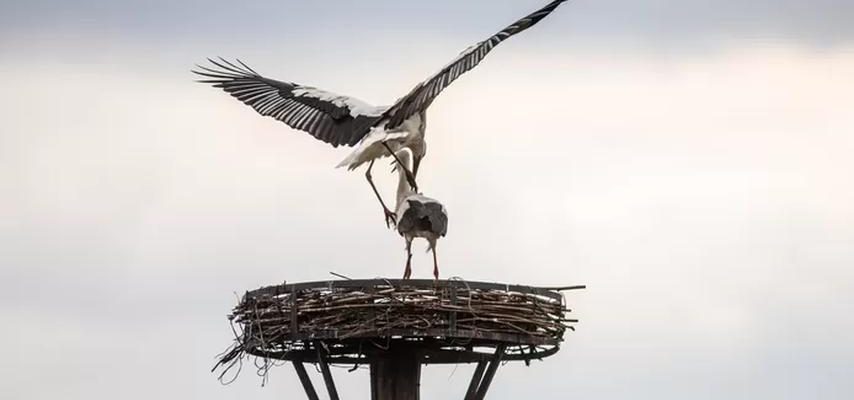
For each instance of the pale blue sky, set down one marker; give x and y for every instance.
(820, 22)
(689, 160)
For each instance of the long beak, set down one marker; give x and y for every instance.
(416, 162)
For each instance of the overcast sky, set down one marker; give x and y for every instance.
(688, 160)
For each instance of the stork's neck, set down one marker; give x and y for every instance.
(403, 188)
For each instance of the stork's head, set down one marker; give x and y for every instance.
(411, 161)
(406, 158)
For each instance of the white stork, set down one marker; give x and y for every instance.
(418, 215)
(342, 120)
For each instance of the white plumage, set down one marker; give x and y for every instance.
(409, 135)
(419, 216)
(343, 120)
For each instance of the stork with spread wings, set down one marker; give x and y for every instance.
(375, 132)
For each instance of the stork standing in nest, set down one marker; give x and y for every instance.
(418, 215)
(342, 120)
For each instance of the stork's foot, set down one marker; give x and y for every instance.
(390, 218)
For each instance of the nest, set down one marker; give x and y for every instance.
(289, 322)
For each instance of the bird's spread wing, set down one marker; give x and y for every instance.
(334, 119)
(422, 95)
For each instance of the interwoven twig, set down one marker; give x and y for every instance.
(265, 322)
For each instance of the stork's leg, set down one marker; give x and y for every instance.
(435, 263)
(410, 177)
(390, 217)
(408, 271)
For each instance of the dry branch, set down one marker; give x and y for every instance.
(288, 319)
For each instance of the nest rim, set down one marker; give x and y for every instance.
(446, 345)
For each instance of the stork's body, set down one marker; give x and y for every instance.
(342, 120)
(409, 135)
(419, 216)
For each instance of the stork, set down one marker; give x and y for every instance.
(376, 131)
(418, 215)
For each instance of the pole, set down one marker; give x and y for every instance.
(305, 380)
(396, 375)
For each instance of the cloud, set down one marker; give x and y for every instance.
(705, 200)
(686, 23)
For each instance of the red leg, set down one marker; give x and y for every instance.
(408, 271)
(435, 264)
(390, 217)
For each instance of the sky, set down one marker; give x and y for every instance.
(690, 161)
